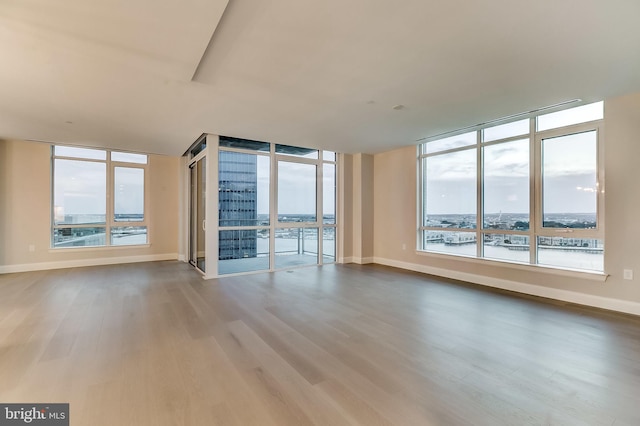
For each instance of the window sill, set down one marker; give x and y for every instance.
(572, 273)
(96, 248)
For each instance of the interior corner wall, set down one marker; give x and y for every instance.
(345, 206)
(6, 177)
(395, 224)
(25, 213)
(183, 211)
(362, 208)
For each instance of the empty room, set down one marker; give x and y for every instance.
(233, 212)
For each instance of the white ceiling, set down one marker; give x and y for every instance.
(130, 74)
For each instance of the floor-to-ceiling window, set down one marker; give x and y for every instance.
(276, 206)
(244, 181)
(528, 191)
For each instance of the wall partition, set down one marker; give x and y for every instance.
(276, 206)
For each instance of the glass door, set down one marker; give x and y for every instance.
(197, 223)
(296, 233)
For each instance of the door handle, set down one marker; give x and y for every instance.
(204, 224)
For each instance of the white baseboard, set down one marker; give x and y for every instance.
(362, 260)
(27, 267)
(617, 305)
(358, 260)
(182, 258)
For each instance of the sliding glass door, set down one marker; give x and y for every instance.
(197, 222)
(297, 230)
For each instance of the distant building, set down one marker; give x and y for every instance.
(237, 204)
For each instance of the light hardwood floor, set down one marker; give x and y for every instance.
(154, 344)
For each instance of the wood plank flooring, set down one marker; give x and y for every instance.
(154, 344)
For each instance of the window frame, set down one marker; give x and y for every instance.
(275, 225)
(110, 221)
(536, 228)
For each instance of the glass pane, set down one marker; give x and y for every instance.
(127, 157)
(198, 214)
(450, 190)
(452, 242)
(70, 151)
(226, 141)
(128, 194)
(80, 192)
(296, 192)
(297, 151)
(243, 194)
(506, 186)
(458, 141)
(567, 117)
(199, 147)
(328, 156)
(514, 248)
(569, 181)
(508, 130)
(329, 245)
(128, 235)
(296, 247)
(329, 193)
(78, 237)
(243, 251)
(574, 253)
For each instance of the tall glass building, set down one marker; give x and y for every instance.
(237, 204)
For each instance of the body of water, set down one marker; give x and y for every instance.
(546, 256)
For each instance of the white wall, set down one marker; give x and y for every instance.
(361, 209)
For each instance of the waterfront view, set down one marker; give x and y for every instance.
(292, 247)
(562, 251)
(246, 208)
(512, 221)
(96, 236)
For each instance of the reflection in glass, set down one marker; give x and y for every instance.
(296, 192)
(450, 190)
(329, 193)
(567, 117)
(574, 253)
(329, 245)
(243, 193)
(70, 151)
(515, 128)
(229, 142)
(200, 146)
(328, 156)
(452, 242)
(127, 157)
(457, 141)
(506, 186)
(569, 181)
(509, 247)
(243, 251)
(296, 247)
(80, 192)
(128, 194)
(197, 246)
(79, 237)
(128, 235)
(297, 151)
